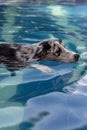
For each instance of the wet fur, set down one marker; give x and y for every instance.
(16, 56)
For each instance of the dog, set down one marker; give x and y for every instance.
(16, 56)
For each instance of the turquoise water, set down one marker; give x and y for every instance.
(33, 100)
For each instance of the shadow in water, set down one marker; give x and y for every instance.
(33, 89)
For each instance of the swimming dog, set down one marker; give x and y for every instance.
(16, 56)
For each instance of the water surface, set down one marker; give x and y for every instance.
(44, 101)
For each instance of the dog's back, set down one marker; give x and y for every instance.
(8, 52)
(17, 53)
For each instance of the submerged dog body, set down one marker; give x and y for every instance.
(19, 54)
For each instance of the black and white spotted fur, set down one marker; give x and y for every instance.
(18, 55)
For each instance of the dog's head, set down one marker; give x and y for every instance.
(55, 50)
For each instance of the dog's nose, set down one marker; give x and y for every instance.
(76, 57)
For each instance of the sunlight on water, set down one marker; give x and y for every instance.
(58, 10)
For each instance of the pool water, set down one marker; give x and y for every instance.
(33, 100)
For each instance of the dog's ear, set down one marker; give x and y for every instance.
(46, 46)
(42, 50)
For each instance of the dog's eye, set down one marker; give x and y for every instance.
(58, 52)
